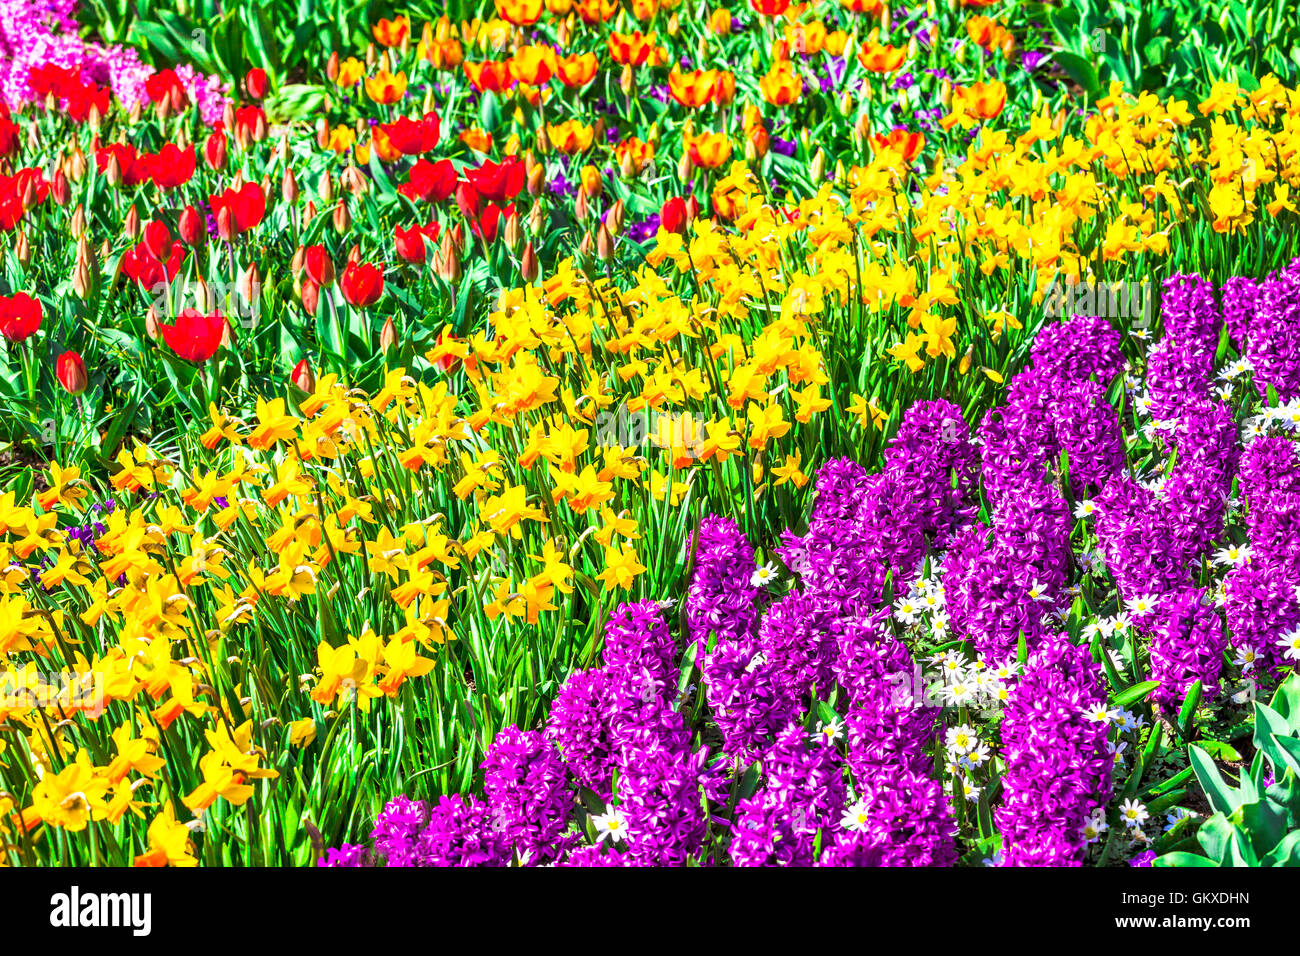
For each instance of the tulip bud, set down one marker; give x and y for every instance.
(685, 168)
(71, 372)
(303, 377)
(104, 249)
(372, 56)
(289, 186)
(627, 80)
(584, 247)
(945, 93)
(604, 244)
(332, 67)
(163, 108)
(325, 189)
(536, 220)
(818, 169)
(355, 181)
(354, 254)
(528, 263)
(536, 180)
(77, 165)
(228, 115)
(214, 150)
(227, 335)
(249, 284)
(191, 226)
(674, 26)
(113, 171)
(77, 225)
(310, 296)
(81, 280)
(60, 191)
(388, 337)
(447, 263)
(615, 218)
(151, 319)
(342, 218)
(299, 261)
(204, 300)
(225, 224)
(322, 133)
(23, 250)
(512, 233)
(885, 21)
(131, 224)
(580, 205)
(309, 213)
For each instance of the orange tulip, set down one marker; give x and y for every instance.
(386, 88)
(630, 49)
(596, 11)
(987, 99)
(633, 156)
(906, 142)
(692, 89)
(781, 86)
(770, 8)
(709, 150)
(882, 58)
(489, 76)
(392, 32)
(443, 54)
(570, 137)
(532, 64)
(577, 70)
(521, 13)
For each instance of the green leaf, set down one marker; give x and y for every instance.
(1135, 694)
(1222, 797)
(1188, 712)
(1179, 858)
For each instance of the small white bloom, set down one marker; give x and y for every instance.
(1133, 813)
(1291, 641)
(1232, 555)
(1143, 605)
(855, 817)
(1247, 657)
(959, 692)
(763, 576)
(829, 732)
(1085, 509)
(1101, 714)
(961, 739)
(612, 824)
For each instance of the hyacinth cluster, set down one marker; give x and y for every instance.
(41, 35)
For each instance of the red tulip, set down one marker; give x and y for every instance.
(165, 84)
(498, 182)
(362, 284)
(191, 226)
(467, 198)
(20, 316)
(410, 242)
(71, 370)
(303, 376)
(432, 182)
(195, 337)
(310, 296)
(214, 150)
(158, 239)
(319, 265)
(172, 166)
(256, 83)
(673, 215)
(413, 137)
(238, 211)
(487, 224)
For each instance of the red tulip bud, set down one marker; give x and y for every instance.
(71, 370)
(303, 377)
